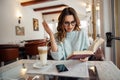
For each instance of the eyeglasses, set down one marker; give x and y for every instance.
(66, 23)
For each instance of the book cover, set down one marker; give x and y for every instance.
(86, 53)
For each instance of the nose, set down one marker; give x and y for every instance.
(69, 25)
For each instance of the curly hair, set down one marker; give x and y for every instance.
(61, 34)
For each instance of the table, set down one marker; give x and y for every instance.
(106, 70)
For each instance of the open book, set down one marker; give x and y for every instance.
(86, 53)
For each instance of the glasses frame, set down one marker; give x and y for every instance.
(67, 23)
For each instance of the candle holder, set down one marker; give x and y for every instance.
(23, 71)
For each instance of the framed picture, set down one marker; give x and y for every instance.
(35, 24)
(19, 30)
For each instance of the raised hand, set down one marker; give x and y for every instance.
(47, 28)
(52, 39)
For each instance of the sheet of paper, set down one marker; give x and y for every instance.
(75, 69)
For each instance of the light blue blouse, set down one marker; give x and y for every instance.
(74, 41)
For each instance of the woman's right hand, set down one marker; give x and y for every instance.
(47, 28)
(52, 39)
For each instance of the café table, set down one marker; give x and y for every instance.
(23, 69)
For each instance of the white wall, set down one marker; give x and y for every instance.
(8, 21)
(107, 25)
(50, 17)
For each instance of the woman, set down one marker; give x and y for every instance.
(69, 37)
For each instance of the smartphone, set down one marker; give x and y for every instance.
(61, 68)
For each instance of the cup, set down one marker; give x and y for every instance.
(43, 54)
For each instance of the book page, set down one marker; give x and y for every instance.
(96, 44)
(82, 52)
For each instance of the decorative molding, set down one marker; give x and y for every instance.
(28, 3)
(50, 7)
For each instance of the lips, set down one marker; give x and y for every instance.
(69, 29)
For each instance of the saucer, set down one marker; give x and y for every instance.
(39, 65)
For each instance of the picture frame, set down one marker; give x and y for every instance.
(19, 30)
(35, 24)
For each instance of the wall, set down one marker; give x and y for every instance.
(107, 26)
(50, 17)
(105, 18)
(8, 21)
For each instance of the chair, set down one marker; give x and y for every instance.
(99, 56)
(8, 52)
(31, 48)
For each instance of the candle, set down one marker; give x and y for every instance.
(92, 68)
(23, 71)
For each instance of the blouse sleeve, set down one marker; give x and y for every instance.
(60, 53)
(85, 38)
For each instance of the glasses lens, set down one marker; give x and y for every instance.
(73, 23)
(66, 23)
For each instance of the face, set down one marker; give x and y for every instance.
(69, 23)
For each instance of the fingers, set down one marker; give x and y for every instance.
(84, 60)
(44, 23)
(46, 27)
